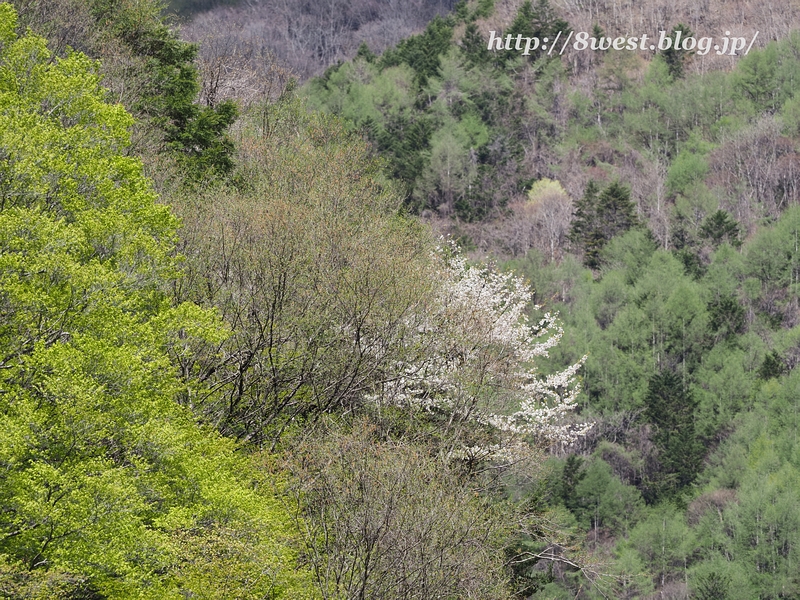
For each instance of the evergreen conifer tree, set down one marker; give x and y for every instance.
(670, 409)
(473, 47)
(675, 57)
(537, 22)
(720, 227)
(600, 216)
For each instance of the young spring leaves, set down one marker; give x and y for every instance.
(105, 481)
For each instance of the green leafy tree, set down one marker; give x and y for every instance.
(421, 52)
(451, 171)
(713, 586)
(473, 47)
(688, 169)
(153, 73)
(597, 33)
(772, 366)
(108, 486)
(365, 53)
(726, 316)
(582, 232)
(483, 8)
(605, 502)
(616, 211)
(756, 78)
(664, 542)
(571, 475)
(772, 261)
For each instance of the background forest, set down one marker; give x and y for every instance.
(237, 360)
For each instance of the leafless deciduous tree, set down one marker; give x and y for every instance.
(307, 36)
(63, 22)
(309, 269)
(541, 221)
(384, 520)
(757, 169)
(238, 67)
(552, 213)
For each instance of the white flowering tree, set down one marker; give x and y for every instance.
(471, 361)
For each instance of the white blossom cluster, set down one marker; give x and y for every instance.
(472, 356)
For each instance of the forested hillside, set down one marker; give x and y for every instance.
(651, 199)
(289, 315)
(471, 130)
(271, 382)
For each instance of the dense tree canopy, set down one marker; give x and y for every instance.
(109, 488)
(294, 388)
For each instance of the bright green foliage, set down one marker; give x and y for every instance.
(772, 262)
(629, 255)
(664, 542)
(451, 173)
(18, 582)
(658, 320)
(603, 501)
(150, 70)
(687, 170)
(724, 385)
(749, 528)
(107, 483)
(384, 105)
(632, 577)
(645, 319)
(756, 78)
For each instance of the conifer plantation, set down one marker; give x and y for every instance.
(355, 300)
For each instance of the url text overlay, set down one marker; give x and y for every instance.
(582, 41)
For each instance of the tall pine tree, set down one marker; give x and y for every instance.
(670, 410)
